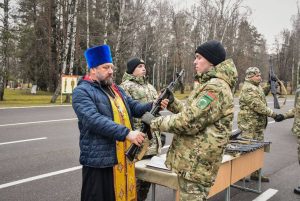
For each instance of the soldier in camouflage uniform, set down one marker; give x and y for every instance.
(202, 126)
(136, 86)
(254, 111)
(295, 113)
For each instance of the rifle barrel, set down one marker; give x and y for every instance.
(133, 149)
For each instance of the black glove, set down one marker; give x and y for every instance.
(147, 117)
(279, 117)
(169, 95)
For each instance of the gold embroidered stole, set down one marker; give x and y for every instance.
(124, 171)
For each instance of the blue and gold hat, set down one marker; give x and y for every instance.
(98, 55)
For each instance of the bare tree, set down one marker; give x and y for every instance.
(121, 29)
(72, 9)
(164, 37)
(5, 57)
(73, 36)
(87, 24)
(106, 22)
(53, 39)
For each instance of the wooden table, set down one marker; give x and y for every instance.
(244, 165)
(233, 169)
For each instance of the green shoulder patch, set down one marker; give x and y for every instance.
(204, 101)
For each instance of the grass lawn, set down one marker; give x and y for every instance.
(23, 97)
(183, 96)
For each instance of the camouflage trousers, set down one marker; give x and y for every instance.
(299, 151)
(192, 191)
(258, 135)
(142, 188)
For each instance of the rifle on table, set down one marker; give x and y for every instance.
(273, 84)
(235, 134)
(133, 149)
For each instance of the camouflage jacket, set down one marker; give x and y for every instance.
(295, 113)
(254, 111)
(290, 113)
(139, 89)
(202, 126)
(197, 80)
(296, 125)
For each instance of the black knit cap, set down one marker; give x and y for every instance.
(133, 63)
(213, 51)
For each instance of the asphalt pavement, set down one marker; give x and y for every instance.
(39, 154)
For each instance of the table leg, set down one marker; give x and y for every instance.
(227, 194)
(259, 180)
(153, 191)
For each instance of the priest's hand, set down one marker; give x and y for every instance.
(136, 137)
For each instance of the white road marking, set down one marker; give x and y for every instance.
(39, 177)
(40, 106)
(271, 122)
(266, 195)
(33, 139)
(38, 122)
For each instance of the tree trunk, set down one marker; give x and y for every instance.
(87, 25)
(53, 54)
(158, 70)
(57, 91)
(119, 38)
(66, 52)
(5, 65)
(73, 37)
(107, 16)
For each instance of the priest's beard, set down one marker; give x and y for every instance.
(104, 80)
(107, 82)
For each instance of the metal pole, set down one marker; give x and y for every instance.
(153, 191)
(259, 180)
(227, 198)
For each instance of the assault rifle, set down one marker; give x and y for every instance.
(273, 84)
(235, 134)
(134, 149)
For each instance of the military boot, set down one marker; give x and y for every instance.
(246, 179)
(297, 190)
(255, 176)
(142, 189)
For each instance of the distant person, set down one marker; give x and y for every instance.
(254, 111)
(105, 122)
(135, 84)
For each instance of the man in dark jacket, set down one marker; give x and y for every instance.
(105, 122)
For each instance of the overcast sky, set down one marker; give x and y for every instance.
(270, 17)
